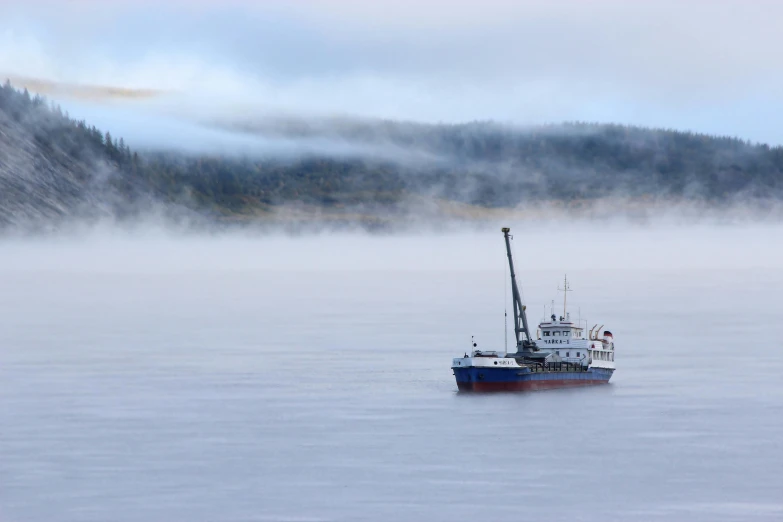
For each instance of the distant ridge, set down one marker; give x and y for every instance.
(53, 168)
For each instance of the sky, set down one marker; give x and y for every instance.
(707, 66)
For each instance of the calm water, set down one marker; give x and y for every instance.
(240, 395)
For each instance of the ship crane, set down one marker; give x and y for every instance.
(525, 343)
(561, 357)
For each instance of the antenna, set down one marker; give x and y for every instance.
(505, 330)
(505, 311)
(566, 288)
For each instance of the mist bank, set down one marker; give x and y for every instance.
(58, 172)
(537, 245)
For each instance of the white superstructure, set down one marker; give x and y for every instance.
(569, 341)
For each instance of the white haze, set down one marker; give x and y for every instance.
(542, 245)
(149, 375)
(154, 126)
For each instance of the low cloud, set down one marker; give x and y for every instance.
(698, 66)
(615, 245)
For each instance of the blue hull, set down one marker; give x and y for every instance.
(520, 379)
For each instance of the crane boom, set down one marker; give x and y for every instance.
(524, 343)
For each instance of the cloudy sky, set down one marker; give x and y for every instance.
(710, 66)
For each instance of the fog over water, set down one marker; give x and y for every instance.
(156, 376)
(150, 373)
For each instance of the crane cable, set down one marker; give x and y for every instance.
(505, 303)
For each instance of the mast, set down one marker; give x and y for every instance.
(565, 289)
(520, 316)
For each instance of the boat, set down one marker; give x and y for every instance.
(564, 353)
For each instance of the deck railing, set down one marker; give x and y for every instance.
(556, 367)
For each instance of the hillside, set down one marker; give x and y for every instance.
(54, 168)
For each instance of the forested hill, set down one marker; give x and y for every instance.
(52, 166)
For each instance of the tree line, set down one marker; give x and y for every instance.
(480, 163)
